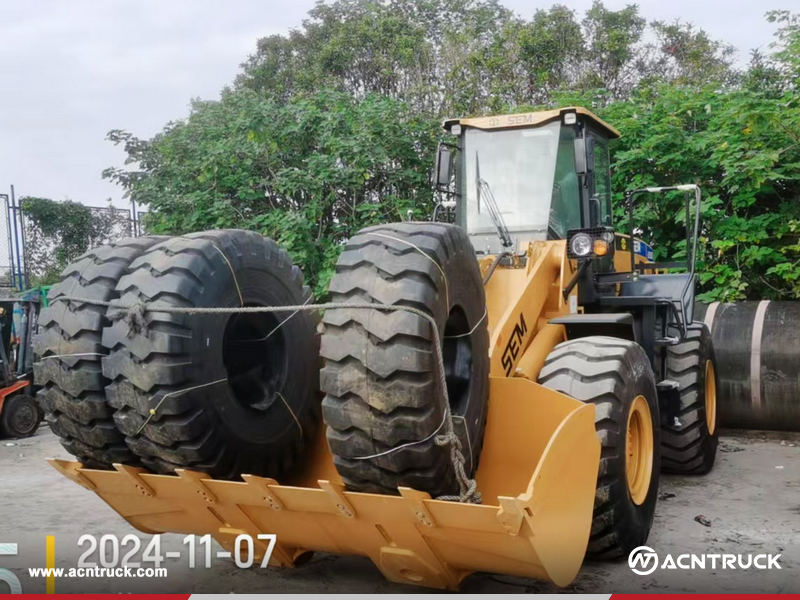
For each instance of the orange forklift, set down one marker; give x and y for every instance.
(20, 415)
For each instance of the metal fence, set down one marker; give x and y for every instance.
(11, 270)
(29, 255)
(44, 253)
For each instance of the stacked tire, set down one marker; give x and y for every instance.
(226, 394)
(384, 405)
(68, 350)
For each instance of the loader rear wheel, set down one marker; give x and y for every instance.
(225, 394)
(383, 395)
(689, 445)
(19, 417)
(615, 375)
(68, 352)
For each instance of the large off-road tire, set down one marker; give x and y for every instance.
(381, 383)
(231, 394)
(19, 417)
(72, 395)
(615, 375)
(689, 445)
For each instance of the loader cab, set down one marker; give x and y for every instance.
(525, 177)
(513, 179)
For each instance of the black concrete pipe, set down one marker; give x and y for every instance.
(758, 363)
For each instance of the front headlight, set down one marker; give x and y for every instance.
(581, 244)
(588, 243)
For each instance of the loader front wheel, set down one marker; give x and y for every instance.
(689, 444)
(615, 375)
(384, 405)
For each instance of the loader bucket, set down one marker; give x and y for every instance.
(537, 476)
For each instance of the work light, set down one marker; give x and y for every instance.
(581, 245)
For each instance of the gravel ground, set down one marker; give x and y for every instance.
(752, 500)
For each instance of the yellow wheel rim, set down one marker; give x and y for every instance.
(711, 398)
(639, 450)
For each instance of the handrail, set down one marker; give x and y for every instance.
(691, 261)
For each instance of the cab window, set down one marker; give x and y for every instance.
(565, 206)
(602, 183)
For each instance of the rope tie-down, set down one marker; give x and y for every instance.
(134, 315)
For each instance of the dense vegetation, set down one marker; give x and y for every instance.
(56, 233)
(333, 127)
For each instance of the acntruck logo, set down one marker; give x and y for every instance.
(644, 556)
(644, 560)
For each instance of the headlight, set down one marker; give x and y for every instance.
(581, 245)
(590, 243)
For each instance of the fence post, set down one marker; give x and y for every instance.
(15, 209)
(11, 268)
(133, 219)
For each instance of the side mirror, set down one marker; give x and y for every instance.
(581, 167)
(444, 166)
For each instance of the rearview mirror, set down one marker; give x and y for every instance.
(444, 165)
(580, 156)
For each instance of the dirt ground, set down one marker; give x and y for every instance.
(752, 500)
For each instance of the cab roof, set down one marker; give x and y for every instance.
(532, 119)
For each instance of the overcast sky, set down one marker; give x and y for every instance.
(74, 69)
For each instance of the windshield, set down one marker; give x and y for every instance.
(520, 167)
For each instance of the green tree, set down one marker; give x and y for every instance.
(456, 57)
(737, 147)
(551, 48)
(612, 39)
(787, 43)
(688, 56)
(333, 127)
(56, 233)
(308, 173)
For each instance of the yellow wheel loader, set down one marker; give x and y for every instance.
(524, 431)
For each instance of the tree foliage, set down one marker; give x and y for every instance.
(308, 173)
(56, 233)
(333, 127)
(472, 56)
(738, 148)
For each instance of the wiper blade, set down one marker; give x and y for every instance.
(494, 211)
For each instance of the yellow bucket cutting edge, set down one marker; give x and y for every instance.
(537, 476)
